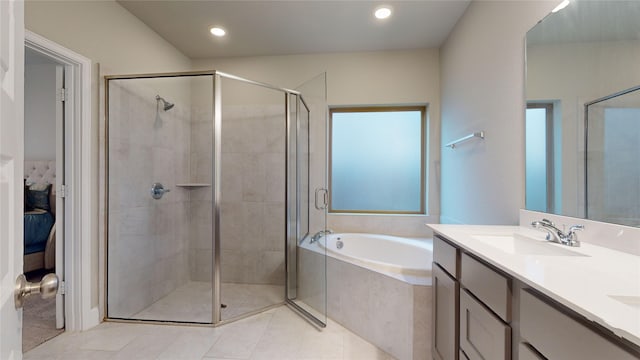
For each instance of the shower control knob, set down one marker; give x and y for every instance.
(158, 190)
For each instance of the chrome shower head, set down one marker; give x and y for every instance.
(166, 105)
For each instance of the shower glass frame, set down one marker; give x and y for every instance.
(217, 77)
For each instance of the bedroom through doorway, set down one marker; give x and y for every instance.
(44, 190)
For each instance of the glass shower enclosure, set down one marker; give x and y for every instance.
(612, 170)
(208, 197)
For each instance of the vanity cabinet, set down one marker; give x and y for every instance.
(556, 335)
(471, 307)
(503, 314)
(446, 292)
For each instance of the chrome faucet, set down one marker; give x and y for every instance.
(558, 236)
(319, 234)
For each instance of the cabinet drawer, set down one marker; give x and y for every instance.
(446, 255)
(525, 353)
(558, 336)
(493, 289)
(482, 334)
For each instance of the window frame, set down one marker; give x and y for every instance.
(423, 155)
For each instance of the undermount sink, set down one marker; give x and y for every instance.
(633, 301)
(521, 245)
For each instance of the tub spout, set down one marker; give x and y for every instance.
(319, 234)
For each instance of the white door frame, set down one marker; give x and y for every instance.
(80, 204)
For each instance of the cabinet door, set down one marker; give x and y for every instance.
(445, 315)
(483, 336)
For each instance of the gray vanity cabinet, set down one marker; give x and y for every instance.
(483, 313)
(446, 290)
(471, 307)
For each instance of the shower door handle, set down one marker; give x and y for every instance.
(158, 190)
(325, 197)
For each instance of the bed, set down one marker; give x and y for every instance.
(39, 215)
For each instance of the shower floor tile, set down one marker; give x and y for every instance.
(192, 302)
(276, 334)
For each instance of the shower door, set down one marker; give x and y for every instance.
(159, 200)
(252, 202)
(306, 261)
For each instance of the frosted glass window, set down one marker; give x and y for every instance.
(377, 157)
(536, 159)
(540, 159)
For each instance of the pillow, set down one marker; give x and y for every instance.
(38, 196)
(27, 204)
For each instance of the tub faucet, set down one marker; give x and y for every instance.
(558, 236)
(319, 234)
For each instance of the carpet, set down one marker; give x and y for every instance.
(39, 317)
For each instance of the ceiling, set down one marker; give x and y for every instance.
(297, 27)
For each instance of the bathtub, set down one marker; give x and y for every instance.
(406, 259)
(378, 286)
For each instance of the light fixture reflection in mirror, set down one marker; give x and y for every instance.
(587, 51)
(561, 6)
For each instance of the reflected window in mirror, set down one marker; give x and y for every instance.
(539, 155)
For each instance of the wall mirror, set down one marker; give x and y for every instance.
(583, 112)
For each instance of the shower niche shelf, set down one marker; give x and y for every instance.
(192, 185)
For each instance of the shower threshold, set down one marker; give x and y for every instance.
(192, 301)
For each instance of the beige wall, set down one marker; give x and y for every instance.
(40, 111)
(362, 78)
(106, 33)
(482, 76)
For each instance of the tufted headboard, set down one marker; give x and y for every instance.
(42, 172)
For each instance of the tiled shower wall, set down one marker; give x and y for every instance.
(253, 194)
(200, 222)
(253, 213)
(148, 239)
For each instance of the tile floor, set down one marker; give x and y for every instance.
(192, 302)
(277, 334)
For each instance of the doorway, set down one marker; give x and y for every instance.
(44, 215)
(75, 207)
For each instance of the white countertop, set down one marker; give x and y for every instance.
(603, 286)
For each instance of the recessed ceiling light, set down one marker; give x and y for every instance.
(217, 31)
(560, 6)
(382, 12)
